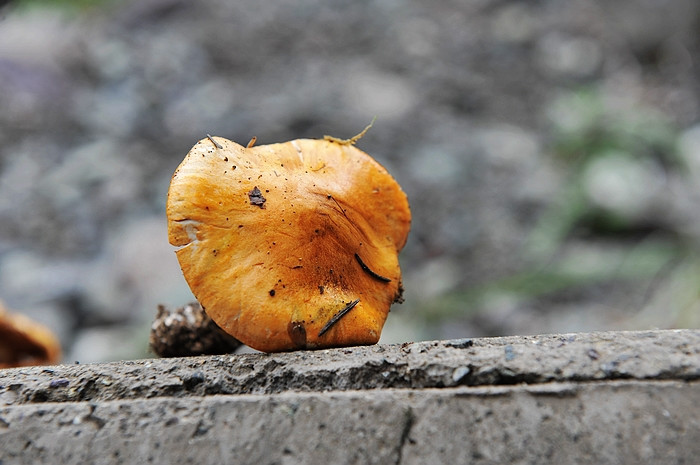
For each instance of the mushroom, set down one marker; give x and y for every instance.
(291, 245)
(24, 342)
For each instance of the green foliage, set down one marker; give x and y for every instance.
(592, 136)
(575, 270)
(64, 5)
(586, 128)
(584, 238)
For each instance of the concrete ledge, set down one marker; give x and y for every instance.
(585, 398)
(478, 362)
(617, 422)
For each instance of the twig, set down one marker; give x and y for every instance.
(370, 272)
(338, 316)
(353, 140)
(216, 144)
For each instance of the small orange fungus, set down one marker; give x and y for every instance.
(292, 245)
(24, 342)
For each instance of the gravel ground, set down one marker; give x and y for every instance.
(474, 102)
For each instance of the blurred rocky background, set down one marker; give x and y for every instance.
(550, 151)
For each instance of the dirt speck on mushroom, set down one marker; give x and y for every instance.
(256, 197)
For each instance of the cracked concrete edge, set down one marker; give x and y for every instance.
(659, 355)
(624, 421)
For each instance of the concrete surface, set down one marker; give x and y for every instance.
(623, 397)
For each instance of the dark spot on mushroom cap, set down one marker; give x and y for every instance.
(272, 292)
(297, 333)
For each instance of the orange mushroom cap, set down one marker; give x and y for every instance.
(279, 241)
(24, 342)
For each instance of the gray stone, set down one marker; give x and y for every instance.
(622, 397)
(670, 354)
(616, 422)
